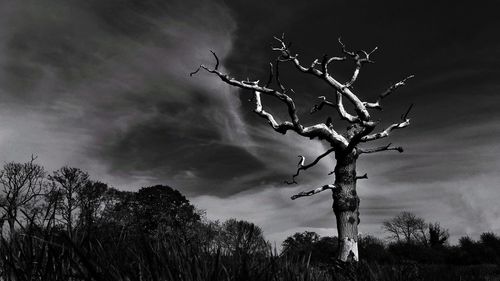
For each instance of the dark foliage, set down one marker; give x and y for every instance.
(69, 227)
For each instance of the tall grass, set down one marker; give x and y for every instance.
(55, 257)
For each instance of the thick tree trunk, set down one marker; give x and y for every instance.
(346, 206)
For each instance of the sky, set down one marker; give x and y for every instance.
(105, 86)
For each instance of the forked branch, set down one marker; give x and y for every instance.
(323, 74)
(301, 165)
(360, 58)
(339, 106)
(390, 90)
(388, 130)
(385, 133)
(280, 128)
(321, 130)
(314, 191)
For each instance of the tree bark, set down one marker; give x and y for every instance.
(346, 206)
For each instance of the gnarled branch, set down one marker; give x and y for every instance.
(380, 148)
(390, 90)
(386, 132)
(360, 58)
(286, 55)
(321, 131)
(314, 191)
(280, 128)
(301, 165)
(339, 106)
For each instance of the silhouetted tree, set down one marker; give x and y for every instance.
(491, 244)
(345, 145)
(90, 200)
(406, 227)
(21, 185)
(69, 182)
(471, 252)
(242, 239)
(300, 244)
(437, 235)
(161, 208)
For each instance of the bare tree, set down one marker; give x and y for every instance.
(406, 227)
(346, 145)
(21, 184)
(69, 183)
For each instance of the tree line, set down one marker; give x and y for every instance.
(69, 202)
(410, 239)
(64, 225)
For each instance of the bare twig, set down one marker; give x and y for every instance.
(270, 75)
(405, 116)
(278, 81)
(301, 165)
(390, 90)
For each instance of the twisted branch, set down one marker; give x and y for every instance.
(388, 130)
(320, 131)
(314, 191)
(323, 74)
(339, 106)
(301, 165)
(387, 92)
(385, 133)
(360, 57)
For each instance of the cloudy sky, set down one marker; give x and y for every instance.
(104, 85)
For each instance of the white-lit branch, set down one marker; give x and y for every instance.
(286, 55)
(314, 191)
(301, 165)
(342, 112)
(390, 90)
(280, 128)
(380, 148)
(385, 133)
(320, 131)
(360, 58)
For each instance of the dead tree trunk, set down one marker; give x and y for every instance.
(344, 145)
(346, 206)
